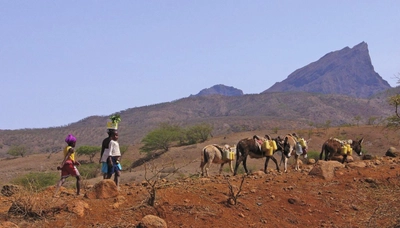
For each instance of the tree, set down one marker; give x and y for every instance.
(371, 120)
(161, 138)
(19, 150)
(357, 119)
(198, 133)
(395, 101)
(88, 151)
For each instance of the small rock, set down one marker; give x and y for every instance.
(291, 201)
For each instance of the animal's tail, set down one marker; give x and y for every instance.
(204, 157)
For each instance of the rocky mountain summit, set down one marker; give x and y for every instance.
(348, 71)
(220, 90)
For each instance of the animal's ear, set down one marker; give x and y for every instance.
(361, 140)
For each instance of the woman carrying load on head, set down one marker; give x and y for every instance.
(111, 159)
(68, 165)
(105, 148)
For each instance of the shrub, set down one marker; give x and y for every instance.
(37, 181)
(313, 155)
(17, 150)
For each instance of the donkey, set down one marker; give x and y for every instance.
(250, 147)
(214, 154)
(332, 147)
(292, 145)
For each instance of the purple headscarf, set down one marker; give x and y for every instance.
(70, 139)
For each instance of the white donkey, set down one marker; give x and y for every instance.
(294, 146)
(216, 154)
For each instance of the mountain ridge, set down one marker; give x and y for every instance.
(226, 113)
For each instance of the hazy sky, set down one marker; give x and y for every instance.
(62, 61)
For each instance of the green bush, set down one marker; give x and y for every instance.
(313, 154)
(161, 138)
(37, 181)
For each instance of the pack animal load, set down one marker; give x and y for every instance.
(228, 154)
(269, 146)
(346, 148)
(300, 145)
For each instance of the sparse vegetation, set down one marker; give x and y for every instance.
(163, 137)
(18, 150)
(234, 193)
(153, 181)
(36, 181)
(313, 155)
(89, 151)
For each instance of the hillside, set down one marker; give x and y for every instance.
(362, 194)
(225, 114)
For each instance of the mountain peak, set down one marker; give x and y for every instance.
(348, 71)
(220, 90)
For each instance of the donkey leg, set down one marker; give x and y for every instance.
(285, 164)
(344, 158)
(207, 166)
(202, 169)
(297, 167)
(321, 154)
(237, 166)
(244, 165)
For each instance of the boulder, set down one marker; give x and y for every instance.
(311, 161)
(359, 164)
(392, 152)
(152, 221)
(325, 169)
(103, 190)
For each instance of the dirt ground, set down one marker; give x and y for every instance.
(356, 196)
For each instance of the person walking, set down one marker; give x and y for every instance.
(111, 157)
(105, 147)
(68, 165)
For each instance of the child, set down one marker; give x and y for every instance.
(111, 159)
(105, 148)
(68, 165)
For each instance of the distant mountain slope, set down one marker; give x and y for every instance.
(348, 71)
(225, 113)
(220, 90)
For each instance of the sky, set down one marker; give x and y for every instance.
(63, 61)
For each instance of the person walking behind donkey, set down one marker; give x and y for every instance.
(68, 165)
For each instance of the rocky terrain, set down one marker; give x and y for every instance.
(362, 193)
